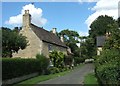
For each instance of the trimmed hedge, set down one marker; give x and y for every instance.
(16, 67)
(107, 67)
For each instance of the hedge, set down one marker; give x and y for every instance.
(79, 60)
(15, 67)
(107, 67)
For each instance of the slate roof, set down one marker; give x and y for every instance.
(47, 36)
(100, 41)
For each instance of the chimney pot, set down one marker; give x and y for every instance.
(54, 31)
(62, 38)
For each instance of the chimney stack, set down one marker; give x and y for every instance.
(62, 38)
(54, 31)
(26, 19)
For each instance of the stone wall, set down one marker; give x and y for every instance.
(46, 50)
(34, 45)
(99, 50)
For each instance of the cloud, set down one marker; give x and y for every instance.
(36, 14)
(103, 7)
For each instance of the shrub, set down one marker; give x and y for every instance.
(15, 67)
(53, 70)
(68, 60)
(79, 60)
(57, 59)
(44, 62)
(108, 67)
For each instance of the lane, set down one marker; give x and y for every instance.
(74, 77)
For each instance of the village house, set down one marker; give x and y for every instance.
(100, 42)
(40, 40)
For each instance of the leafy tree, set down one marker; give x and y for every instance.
(70, 39)
(98, 27)
(101, 25)
(113, 42)
(12, 41)
(87, 48)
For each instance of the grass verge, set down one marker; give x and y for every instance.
(90, 79)
(41, 78)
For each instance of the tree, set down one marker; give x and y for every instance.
(100, 26)
(113, 42)
(70, 39)
(88, 48)
(12, 41)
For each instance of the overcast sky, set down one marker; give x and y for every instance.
(74, 15)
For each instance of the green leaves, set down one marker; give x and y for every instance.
(57, 59)
(101, 25)
(108, 66)
(12, 41)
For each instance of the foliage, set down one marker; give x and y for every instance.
(44, 62)
(53, 70)
(15, 67)
(69, 36)
(69, 59)
(107, 64)
(101, 25)
(113, 42)
(57, 59)
(88, 49)
(79, 60)
(70, 39)
(107, 67)
(12, 41)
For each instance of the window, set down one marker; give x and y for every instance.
(49, 47)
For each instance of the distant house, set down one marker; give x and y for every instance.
(40, 40)
(100, 43)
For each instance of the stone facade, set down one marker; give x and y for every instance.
(36, 45)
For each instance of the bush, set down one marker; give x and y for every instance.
(52, 70)
(15, 67)
(79, 60)
(68, 60)
(108, 67)
(44, 62)
(57, 59)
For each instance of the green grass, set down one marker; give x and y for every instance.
(90, 79)
(41, 78)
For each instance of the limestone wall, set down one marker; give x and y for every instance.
(99, 50)
(46, 50)
(34, 46)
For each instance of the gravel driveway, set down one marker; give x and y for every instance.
(74, 77)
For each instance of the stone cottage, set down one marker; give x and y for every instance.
(100, 42)
(40, 40)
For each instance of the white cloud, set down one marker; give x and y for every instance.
(36, 14)
(103, 7)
